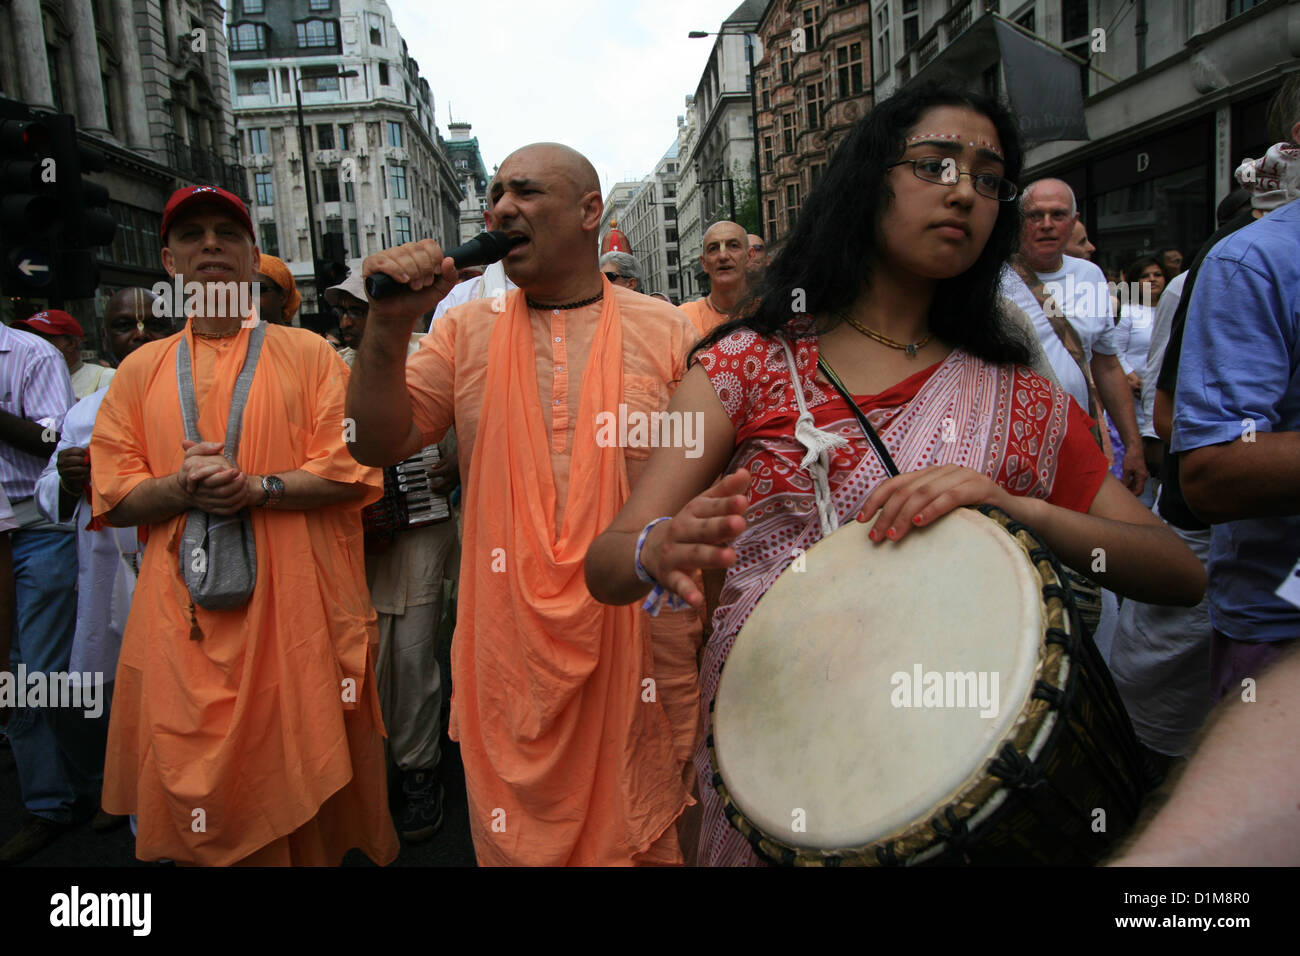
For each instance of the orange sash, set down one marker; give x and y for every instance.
(567, 759)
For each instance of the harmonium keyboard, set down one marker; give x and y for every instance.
(409, 500)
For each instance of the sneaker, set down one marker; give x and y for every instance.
(37, 833)
(421, 817)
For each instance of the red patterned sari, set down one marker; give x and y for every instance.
(1005, 421)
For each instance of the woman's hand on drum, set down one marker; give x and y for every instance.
(698, 537)
(919, 498)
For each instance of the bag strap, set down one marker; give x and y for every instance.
(881, 451)
(185, 384)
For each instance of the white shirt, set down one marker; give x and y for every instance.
(91, 378)
(1080, 289)
(492, 282)
(105, 576)
(1160, 331)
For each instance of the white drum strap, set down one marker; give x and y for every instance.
(818, 444)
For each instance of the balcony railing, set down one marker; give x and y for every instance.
(205, 166)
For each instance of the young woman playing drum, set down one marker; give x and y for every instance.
(890, 277)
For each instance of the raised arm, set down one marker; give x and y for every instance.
(378, 403)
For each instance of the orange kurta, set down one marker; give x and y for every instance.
(261, 742)
(566, 760)
(703, 316)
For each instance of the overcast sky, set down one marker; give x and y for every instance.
(607, 77)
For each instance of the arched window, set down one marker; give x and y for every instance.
(315, 33)
(248, 36)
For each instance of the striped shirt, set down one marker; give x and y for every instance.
(34, 385)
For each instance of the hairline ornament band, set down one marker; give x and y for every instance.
(953, 137)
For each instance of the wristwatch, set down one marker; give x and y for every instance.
(274, 489)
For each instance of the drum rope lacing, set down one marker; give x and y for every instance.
(818, 444)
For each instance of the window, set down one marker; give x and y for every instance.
(403, 231)
(252, 82)
(670, 234)
(1074, 19)
(56, 87)
(883, 57)
(320, 4)
(771, 217)
(784, 59)
(264, 189)
(270, 242)
(398, 176)
(767, 94)
(767, 154)
(253, 6)
(329, 185)
(348, 192)
(394, 133)
(257, 141)
(376, 26)
(792, 204)
(248, 36)
(813, 97)
(811, 35)
(848, 69)
(383, 73)
(787, 131)
(334, 227)
(318, 79)
(345, 137)
(106, 83)
(1027, 21)
(815, 173)
(911, 26)
(318, 33)
(1236, 7)
(325, 136)
(670, 212)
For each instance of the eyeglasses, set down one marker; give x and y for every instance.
(757, 248)
(934, 169)
(612, 276)
(354, 311)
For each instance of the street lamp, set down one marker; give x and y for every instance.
(306, 175)
(753, 112)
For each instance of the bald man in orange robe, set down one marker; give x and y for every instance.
(251, 735)
(575, 719)
(725, 259)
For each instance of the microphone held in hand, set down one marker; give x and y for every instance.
(484, 249)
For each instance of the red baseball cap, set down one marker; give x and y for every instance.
(52, 322)
(189, 196)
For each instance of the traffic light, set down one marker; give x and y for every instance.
(86, 222)
(31, 211)
(52, 218)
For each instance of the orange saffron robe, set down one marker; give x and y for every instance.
(703, 316)
(261, 743)
(571, 757)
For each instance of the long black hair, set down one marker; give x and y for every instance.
(826, 259)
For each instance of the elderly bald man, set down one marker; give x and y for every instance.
(725, 257)
(575, 729)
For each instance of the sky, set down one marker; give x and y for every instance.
(607, 77)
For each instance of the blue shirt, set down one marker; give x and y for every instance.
(1241, 364)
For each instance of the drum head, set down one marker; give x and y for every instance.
(867, 689)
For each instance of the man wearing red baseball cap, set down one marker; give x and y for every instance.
(248, 735)
(64, 332)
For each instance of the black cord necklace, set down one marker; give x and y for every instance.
(572, 305)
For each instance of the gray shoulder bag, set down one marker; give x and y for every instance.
(217, 553)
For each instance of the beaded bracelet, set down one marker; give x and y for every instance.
(659, 597)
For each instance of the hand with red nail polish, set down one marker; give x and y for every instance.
(919, 498)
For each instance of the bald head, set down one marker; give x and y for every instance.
(566, 161)
(725, 229)
(725, 257)
(549, 194)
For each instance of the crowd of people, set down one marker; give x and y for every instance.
(218, 533)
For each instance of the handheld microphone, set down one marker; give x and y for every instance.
(484, 249)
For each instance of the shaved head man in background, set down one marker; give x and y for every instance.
(725, 257)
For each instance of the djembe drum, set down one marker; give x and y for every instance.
(932, 700)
